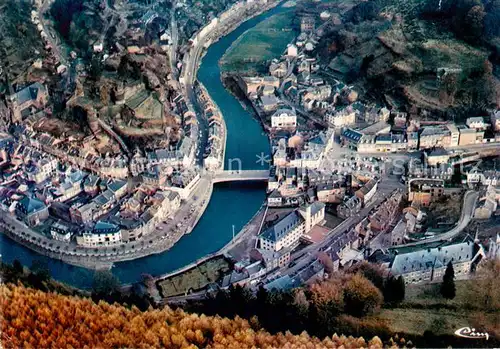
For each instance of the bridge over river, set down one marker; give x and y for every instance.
(241, 175)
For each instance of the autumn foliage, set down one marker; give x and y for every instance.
(35, 319)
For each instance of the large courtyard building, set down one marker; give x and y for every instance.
(289, 229)
(430, 264)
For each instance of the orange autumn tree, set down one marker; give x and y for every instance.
(35, 319)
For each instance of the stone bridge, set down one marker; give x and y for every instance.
(240, 175)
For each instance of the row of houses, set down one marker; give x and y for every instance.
(443, 136)
(297, 152)
(214, 152)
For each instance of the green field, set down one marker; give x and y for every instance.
(424, 309)
(194, 279)
(267, 40)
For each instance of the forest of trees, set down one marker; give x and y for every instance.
(475, 21)
(347, 303)
(36, 319)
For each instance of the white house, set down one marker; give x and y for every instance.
(98, 47)
(284, 118)
(342, 118)
(60, 232)
(288, 230)
(61, 68)
(485, 178)
(292, 50)
(103, 234)
(477, 123)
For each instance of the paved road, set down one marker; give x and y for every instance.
(174, 31)
(470, 199)
(307, 255)
(51, 35)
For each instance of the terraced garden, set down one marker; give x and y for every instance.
(194, 279)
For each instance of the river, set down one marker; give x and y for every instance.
(231, 203)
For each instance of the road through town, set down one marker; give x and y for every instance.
(470, 199)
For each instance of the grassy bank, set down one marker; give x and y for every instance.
(267, 40)
(425, 310)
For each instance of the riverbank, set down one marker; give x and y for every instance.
(244, 241)
(97, 258)
(230, 83)
(230, 203)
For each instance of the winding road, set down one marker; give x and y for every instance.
(470, 199)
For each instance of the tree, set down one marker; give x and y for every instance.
(401, 289)
(484, 292)
(394, 289)
(448, 290)
(326, 261)
(370, 271)
(18, 267)
(361, 297)
(45, 320)
(475, 22)
(104, 283)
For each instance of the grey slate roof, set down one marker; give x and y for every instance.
(352, 135)
(31, 205)
(29, 93)
(422, 260)
(283, 227)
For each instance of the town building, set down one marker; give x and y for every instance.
(284, 118)
(430, 264)
(251, 85)
(435, 136)
(292, 50)
(271, 259)
(42, 170)
(368, 190)
(454, 135)
(424, 191)
(71, 187)
(387, 213)
(330, 191)
(102, 234)
(289, 229)
(60, 232)
(184, 182)
(487, 206)
(342, 118)
(483, 178)
(279, 70)
(307, 24)
(476, 123)
(350, 207)
(469, 136)
(495, 121)
(34, 96)
(32, 211)
(269, 103)
(437, 156)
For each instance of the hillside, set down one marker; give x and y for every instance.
(35, 319)
(20, 43)
(416, 54)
